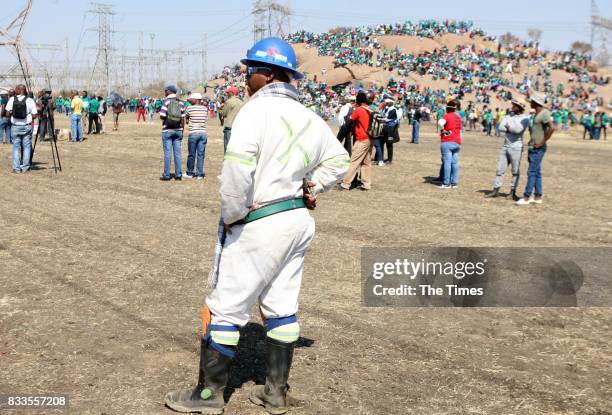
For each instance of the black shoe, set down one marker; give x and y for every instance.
(493, 193)
(165, 178)
(273, 395)
(514, 195)
(207, 396)
(178, 178)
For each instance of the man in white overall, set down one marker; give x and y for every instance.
(278, 148)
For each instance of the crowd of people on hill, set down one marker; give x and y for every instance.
(469, 69)
(422, 103)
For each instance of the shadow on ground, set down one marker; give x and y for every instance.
(250, 361)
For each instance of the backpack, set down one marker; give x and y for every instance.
(174, 114)
(375, 126)
(20, 109)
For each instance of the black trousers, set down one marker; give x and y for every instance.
(94, 120)
(346, 136)
(43, 129)
(391, 134)
(389, 145)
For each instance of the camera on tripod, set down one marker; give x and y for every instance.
(46, 98)
(47, 127)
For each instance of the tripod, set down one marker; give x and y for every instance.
(47, 123)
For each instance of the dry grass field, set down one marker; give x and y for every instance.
(103, 269)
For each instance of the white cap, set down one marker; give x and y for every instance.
(195, 95)
(538, 99)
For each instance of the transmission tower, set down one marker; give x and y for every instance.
(101, 69)
(600, 29)
(270, 19)
(11, 37)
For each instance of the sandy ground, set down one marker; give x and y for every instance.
(103, 266)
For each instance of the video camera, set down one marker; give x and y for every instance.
(46, 98)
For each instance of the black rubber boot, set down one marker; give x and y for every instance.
(273, 395)
(207, 397)
(514, 195)
(493, 193)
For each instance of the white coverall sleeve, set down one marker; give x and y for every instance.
(239, 167)
(334, 165)
(341, 114)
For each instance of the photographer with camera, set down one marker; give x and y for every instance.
(22, 111)
(45, 107)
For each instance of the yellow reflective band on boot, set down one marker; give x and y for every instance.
(226, 338)
(287, 333)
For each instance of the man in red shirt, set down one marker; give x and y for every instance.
(362, 150)
(451, 128)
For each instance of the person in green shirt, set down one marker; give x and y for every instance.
(605, 121)
(556, 114)
(487, 117)
(92, 112)
(564, 118)
(59, 104)
(541, 131)
(587, 122)
(229, 110)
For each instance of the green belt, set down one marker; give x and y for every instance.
(272, 209)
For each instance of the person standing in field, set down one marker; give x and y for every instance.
(416, 125)
(102, 109)
(140, 107)
(5, 119)
(345, 134)
(117, 110)
(22, 111)
(541, 131)
(94, 121)
(76, 108)
(229, 110)
(361, 157)
(514, 126)
(172, 115)
(197, 117)
(450, 137)
(281, 155)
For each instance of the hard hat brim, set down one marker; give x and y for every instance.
(253, 62)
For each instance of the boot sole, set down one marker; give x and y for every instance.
(201, 410)
(272, 410)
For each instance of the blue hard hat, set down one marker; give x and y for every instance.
(273, 51)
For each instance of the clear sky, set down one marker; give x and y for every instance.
(229, 23)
